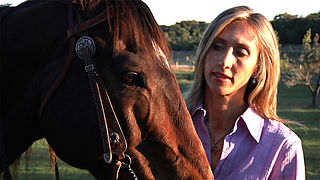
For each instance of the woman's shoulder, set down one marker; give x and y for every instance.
(287, 151)
(281, 132)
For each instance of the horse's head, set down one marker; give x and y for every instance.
(131, 57)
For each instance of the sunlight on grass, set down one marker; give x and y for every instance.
(40, 166)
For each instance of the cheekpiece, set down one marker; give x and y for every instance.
(85, 47)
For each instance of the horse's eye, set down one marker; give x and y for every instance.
(131, 77)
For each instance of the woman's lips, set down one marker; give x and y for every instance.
(221, 76)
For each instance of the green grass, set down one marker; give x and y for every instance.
(293, 104)
(40, 166)
(310, 136)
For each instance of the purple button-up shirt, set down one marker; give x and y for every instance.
(257, 148)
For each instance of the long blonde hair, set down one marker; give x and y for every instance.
(263, 96)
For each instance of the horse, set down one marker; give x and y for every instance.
(92, 77)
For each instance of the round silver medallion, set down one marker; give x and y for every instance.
(85, 47)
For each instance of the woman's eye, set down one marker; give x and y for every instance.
(241, 52)
(131, 77)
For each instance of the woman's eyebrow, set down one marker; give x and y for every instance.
(219, 39)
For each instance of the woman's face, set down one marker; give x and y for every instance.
(231, 60)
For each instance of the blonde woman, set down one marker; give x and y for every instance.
(233, 100)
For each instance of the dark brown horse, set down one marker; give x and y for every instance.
(118, 74)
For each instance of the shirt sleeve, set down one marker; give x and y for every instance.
(290, 162)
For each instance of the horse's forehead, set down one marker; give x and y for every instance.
(160, 54)
(152, 57)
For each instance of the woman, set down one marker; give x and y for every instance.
(233, 100)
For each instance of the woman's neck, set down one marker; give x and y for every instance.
(223, 111)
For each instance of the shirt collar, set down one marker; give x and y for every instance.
(254, 123)
(199, 108)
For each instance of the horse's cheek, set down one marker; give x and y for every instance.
(141, 109)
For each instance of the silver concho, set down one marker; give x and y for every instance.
(82, 45)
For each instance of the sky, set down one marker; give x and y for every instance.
(168, 12)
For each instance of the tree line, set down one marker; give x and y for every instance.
(301, 68)
(185, 35)
(290, 29)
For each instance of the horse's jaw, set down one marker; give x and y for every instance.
(171, 152)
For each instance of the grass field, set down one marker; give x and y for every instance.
(293, 104)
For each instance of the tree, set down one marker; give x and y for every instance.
(291, 28)
(285, 16)
(314, 16)
(306, 69)
(185, 35)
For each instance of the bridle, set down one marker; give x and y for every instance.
(114, 142)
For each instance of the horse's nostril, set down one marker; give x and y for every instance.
(114, 138)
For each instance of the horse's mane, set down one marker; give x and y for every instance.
(136, 17)
(132, 15)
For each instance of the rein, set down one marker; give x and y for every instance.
(114, 142)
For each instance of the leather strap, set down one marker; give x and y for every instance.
(80, 28)
(108, 121)
(113, 139)
(57, 83)
(109, 124)
(124, 165)
(116, 170)
(118, 141)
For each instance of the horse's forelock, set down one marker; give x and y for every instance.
(89, 4)
(133, 19)
(140, 22)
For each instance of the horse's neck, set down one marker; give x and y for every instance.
(31, 36)
(5, 10)
(33, 30)
(31, 33)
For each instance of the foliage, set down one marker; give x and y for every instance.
(291, 28)
(185, 35)
(306, 69)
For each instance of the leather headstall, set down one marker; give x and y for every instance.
(114, 142)
(112, 135)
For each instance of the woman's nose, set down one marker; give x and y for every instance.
(227, 60)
